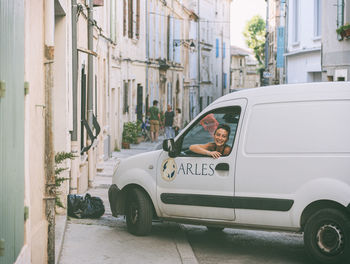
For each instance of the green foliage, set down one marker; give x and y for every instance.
(59, 158)
(131, 130)
(341, 30)
(254, 34)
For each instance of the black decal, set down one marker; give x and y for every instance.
(204, 169)
(211, 167)
(189, 168)
(196, 170)
(181, 168)
(164, 167)
(172, 174)
(254, 203)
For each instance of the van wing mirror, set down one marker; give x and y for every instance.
(169, 146)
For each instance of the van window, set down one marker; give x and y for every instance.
(299, 127)
(203, 130)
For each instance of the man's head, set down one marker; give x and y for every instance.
(155, 102)
(169, 108)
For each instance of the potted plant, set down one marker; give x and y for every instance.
(129, 134)
(344, 30)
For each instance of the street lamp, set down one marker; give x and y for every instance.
(186, 42)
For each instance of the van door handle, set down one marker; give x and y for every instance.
(222, 167)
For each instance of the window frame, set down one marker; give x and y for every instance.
(179, 141)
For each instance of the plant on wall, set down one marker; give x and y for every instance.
(59, 158)
(344, 30)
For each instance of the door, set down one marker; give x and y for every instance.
(197, 186)
(139, 101)
(11, 129)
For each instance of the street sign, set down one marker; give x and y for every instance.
(267, 74)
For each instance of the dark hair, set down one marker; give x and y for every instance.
(225, 127)
(155, 102)
(179, 110)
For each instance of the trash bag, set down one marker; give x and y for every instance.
(85, 207)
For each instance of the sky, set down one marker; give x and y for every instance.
(241, 12)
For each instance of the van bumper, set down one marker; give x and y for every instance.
(116, 199)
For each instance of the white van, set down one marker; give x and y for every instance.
(288, 169)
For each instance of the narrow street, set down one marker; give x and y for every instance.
(106, 240)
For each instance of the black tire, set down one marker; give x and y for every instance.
(138, 213)
(215, 229)
(327, 236)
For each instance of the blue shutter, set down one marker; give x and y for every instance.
(223, 50)
(280, 47)
(217, 48)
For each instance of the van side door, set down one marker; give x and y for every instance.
(197, 186)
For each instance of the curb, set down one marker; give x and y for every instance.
(60, 230)
(183, 247)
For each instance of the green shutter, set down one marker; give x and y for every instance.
(11, 129)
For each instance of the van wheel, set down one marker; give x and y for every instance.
(138, 213)
(327, 236)
(215, 229)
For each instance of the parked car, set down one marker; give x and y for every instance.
(288, 169)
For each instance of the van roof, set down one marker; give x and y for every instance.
(289, 89)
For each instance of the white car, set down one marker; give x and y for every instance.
(288, 169)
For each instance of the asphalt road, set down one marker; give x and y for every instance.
(245, 246)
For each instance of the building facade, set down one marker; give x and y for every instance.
(244, 69)
(335, 48)
(303, 41)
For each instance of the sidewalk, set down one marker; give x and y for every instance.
(106, 240)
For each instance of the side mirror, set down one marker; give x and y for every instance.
(169, 146)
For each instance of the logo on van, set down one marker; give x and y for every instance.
(169, 169)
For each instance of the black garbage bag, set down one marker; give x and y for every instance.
(85, 207)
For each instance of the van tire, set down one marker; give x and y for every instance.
(327, 236)
(138, 213)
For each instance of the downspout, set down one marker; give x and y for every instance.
(74, 134)
(265, 79)
(90, 88)
(147, 52)
(50, 189)
(285, 70)
(199, 59)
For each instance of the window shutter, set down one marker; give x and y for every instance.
(340, 13)
(171, 38)
(177, 35)
(124, 18)
(130, 17)
(138, 19)
(217, 48)
(223, 50)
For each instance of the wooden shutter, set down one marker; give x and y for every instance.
(12, 128)
(124, 18)
(138, 18)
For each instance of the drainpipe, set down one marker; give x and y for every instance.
(265, 79)
(90, 88)
(74, 134)
(50, 192)
(147, 49)
(199, 59)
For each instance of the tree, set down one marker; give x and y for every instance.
(254, 34)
